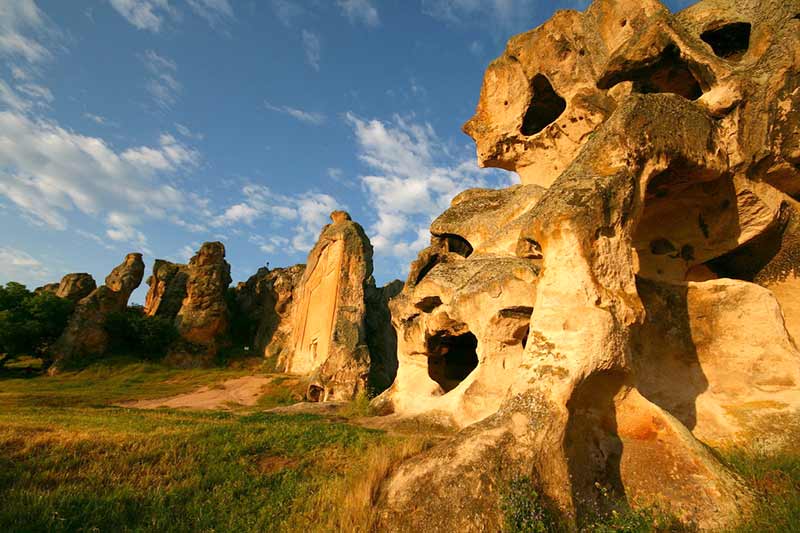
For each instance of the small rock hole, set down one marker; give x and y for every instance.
(730, 41)
(545, 107)
(453, 359)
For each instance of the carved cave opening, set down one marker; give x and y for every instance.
(545, 107)
(669, 73)
(457, 244)
(730, 41)
(453, 359)
(687, 220)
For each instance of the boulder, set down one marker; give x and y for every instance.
(596, 335)
(203, 318)
(75, 287)
(85, 334)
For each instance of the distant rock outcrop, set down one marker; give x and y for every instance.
(85, 335)
(167, 289)
(327, 319)
(595, 335)
(72, 287)
(75, 287)
(203, 318)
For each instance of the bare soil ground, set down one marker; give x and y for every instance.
(243, 391)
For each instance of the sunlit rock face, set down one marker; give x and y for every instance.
(326, 320)
(85, 335)
(329, 327)
(203, 318)
(596, 334)
(167, 289)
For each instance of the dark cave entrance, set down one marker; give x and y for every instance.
(453, 359)
(545, 107)
(668, 73)
(730, 41)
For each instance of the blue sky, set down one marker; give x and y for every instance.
(155, 125)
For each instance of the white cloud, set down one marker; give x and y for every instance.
(214, 11)
(287, 11)
(49, 172)
(122, 228)
(313, 48)
(302, 214)
(19, 18)
(308, 117)
(11, 99)
(144, 14)
(414, 179)
(99, 119)
(505, 15)
(36, 92)
(17, 265)
(189, 134)
(163, 85)
(360, 11)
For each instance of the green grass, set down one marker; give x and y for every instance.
(72, 461)
(774, 478)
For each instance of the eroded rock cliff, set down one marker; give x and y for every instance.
(594, 335)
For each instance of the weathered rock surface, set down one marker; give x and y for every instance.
(75, 287)
(329, 326)
(264, 310)
(594, 335)
(167, 289)
(203, 318)
(85, 335)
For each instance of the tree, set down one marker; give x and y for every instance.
(30, 323)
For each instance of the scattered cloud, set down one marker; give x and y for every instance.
(476, 48)
(49, 172)
(11, 99)
(189, 134)
(38, 93)
(214, 11)
(360, 11)
(18, 265)
(287, 11)
(99, 119)
(309, 117)
(414, 177)
(302, 214)
(313, 48)
(163, 85)
(505, 15)
(18, 20)
(144, 14)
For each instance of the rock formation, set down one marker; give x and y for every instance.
(593, 335)
(85, 335)
(167, 289)
(329, 333)
(73, 287)
(326, 320)
(263, 308)
(203, 318)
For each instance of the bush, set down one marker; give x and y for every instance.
(525, 511)
(30, 323)
(133, 332)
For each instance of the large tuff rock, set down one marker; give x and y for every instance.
(327, 319)
(167, 289)
(73, 287)
(85, 335)
(594, 336)
(203, 318)
(264, 310)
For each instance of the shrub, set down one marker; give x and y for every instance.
(30, 322)
(133, 332)
(524, 510)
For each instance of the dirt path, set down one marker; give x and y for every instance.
(240, 391)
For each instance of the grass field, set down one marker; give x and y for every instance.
(72, 460)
